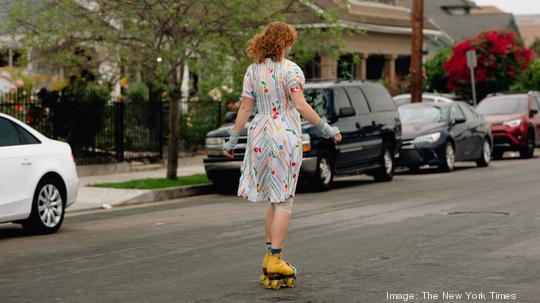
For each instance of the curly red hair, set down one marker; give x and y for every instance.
(271, 42)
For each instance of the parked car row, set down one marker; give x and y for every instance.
(378, 134)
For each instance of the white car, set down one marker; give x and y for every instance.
(426, 97)
(38, 177)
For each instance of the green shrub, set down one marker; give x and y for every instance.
(137, 92)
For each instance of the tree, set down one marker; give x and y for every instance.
(437, 78)
(535, 46)
(530, 79)
(156, 37)
(502, 57)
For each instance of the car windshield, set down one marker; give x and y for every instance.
(318, 99)
(422, 114)
(503, 106)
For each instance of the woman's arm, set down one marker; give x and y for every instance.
(244, 112)
(307, 111)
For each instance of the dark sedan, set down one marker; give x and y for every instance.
(441, 133)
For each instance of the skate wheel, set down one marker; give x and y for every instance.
(291, 282)
(276, 284)
(262, 278)
(266, 283)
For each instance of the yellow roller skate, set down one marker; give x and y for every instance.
(264, 275)
(280, 273)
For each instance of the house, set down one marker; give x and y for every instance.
(463, 19)
(382, 51)
(529, 27)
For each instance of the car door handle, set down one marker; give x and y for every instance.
(26, 162)
(358, 125)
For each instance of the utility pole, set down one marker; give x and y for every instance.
(417, 24)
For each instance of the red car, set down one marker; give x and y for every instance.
(515, 122)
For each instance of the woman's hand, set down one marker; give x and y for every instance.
(337, 138)
(229, 154)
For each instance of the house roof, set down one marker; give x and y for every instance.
(467, 25)
(374, 13)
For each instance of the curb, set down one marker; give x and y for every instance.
(170, 193)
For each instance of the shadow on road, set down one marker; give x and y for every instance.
(431, 170)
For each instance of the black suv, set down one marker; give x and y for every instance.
(367, 118)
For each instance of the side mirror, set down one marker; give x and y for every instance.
(533, 112)
(347, 111)
(230, 117)
(459, 120)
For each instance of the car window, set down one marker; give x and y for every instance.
(358, 99)
(456, 113)
(535, 104)
(8, 133)
(318, 99)
(26, 137)
(469, 114)
(378, 97)
(503, 105)
(340, 99)
(421, 114)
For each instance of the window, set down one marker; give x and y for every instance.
(456, 113)
(378, 97)
(503, 105)
(340, 100)
(26, 137)
(535, 104)
(469, 113)
(318, 99)
(358, 99)
(8, 133)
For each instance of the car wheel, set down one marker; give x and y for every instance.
(225, 186)
(324, 175)
(449, 158)
(527, 151)
(386, 163)
(48, 207)
(484, 160)
(498, 154)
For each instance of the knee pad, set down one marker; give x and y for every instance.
(285, 206)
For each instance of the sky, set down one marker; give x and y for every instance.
(518, 7)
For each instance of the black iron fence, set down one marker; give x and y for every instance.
(105, 132)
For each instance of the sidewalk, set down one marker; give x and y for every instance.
(95, 197)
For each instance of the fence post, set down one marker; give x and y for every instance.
(119, 130)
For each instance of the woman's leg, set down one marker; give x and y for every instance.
(268, 222)
(280, 223)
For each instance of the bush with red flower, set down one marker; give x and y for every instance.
(501, 56)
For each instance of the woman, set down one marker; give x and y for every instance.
(274, 146)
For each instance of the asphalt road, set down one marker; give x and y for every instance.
(473, 230)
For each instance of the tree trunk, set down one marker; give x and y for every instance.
(175, 94)
(417, 23)
(174, 121)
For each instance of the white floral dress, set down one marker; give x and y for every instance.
(274, 145)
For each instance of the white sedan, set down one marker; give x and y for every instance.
(426, 97)
(38, 177)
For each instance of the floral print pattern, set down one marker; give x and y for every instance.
(273, 156)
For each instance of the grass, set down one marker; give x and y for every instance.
(157, 183)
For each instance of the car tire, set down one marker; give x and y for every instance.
(527, 151)
(225, 186)
(324, 175)
(48, 208)
(386, 162)
(484, 160)
(448, 158)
